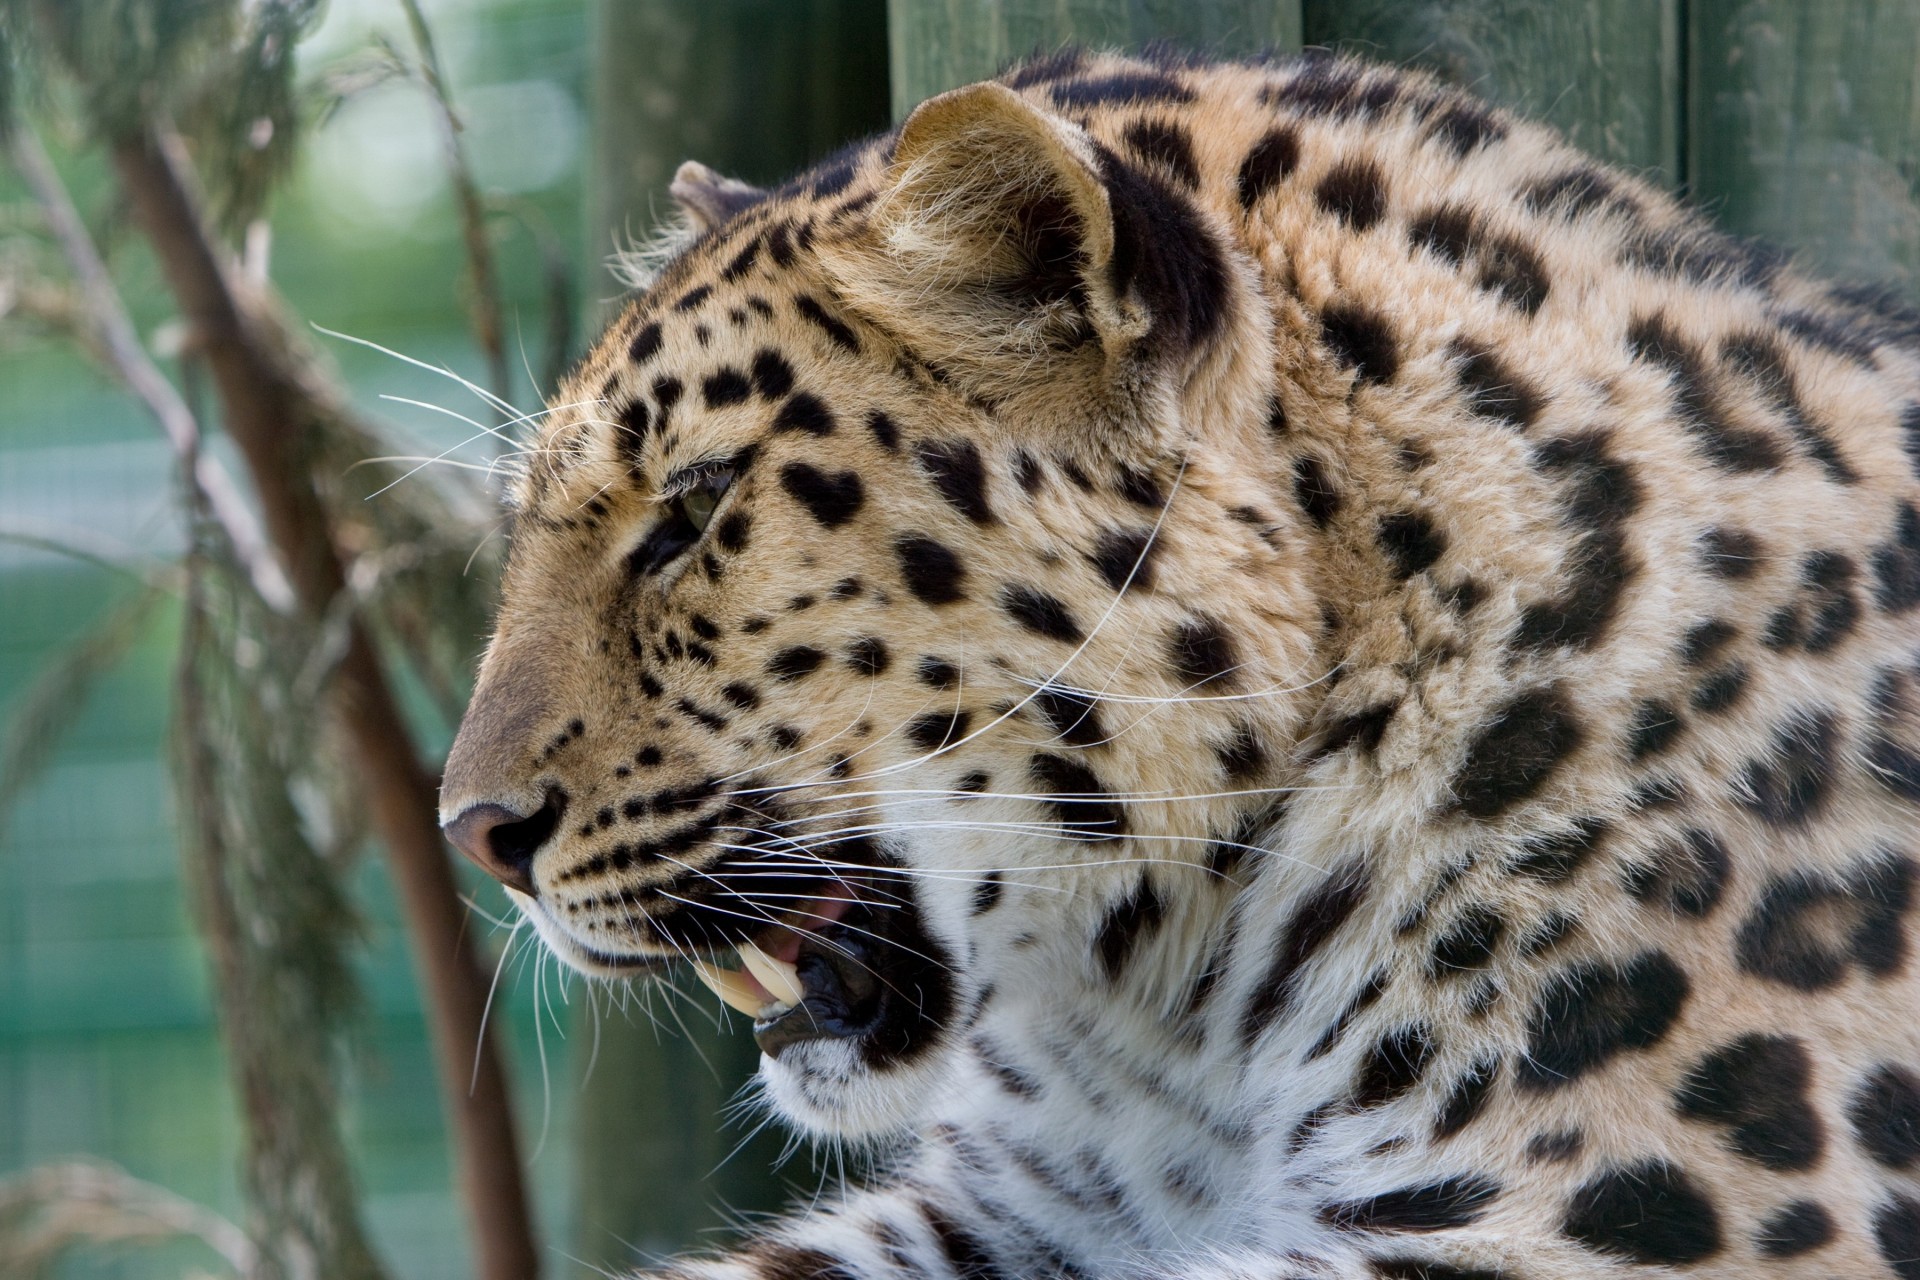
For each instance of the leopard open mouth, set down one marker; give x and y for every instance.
(854, 966)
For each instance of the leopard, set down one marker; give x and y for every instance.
(1249, 670)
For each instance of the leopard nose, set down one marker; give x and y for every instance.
(503, 842)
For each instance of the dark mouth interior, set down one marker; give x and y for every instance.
(872, 978)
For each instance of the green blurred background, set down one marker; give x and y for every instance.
(1794, 120)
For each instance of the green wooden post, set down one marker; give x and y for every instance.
(1805, 122)
(1605, 72)
(938, 44)
(755, 88)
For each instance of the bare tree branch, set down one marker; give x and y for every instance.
(118, 342)
(275, 408)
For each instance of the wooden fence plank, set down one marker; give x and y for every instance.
(1606, 72)
(1805, 129)
(938, 44)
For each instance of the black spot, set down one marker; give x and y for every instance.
(1437, 1206)
(937, 729)
(957, 472)
(1122, 88)
(1242, 756)
(742, 262)
(1517, 751)
(1167, 145)
(1140, 488)
(666, 393)
(1910, 427)
(1885, 1113)
(1512, 270)
(977, 783)
(1124, 558)
(1027, 471)
(884, 432)
(931, 570)
(846, 589)
(733, 530)
(1495, 391)
(1757, 1088)
(1080, 802)
(1047, 68)
(1130, 920)
(1807, 929)
(1705, 639)
(772, 375)
(1897, 564)
(1410, 541)
(1071, 713)
(709, 719)
(1730, 553)
(1316, 919)
(1687, 876)
(1796, 1228)
(1467, 1099)
(1720, 690)
(1656, 726)
(1556, 857)
(1325, 87)
(725, 386)
(1702, 255)
(1362, 729)
(1355, 193)
(794, 661)
(693, 297)
(781, 1261)
(804, 413)
(743, 696)
(868, 656)
(830, 324)
(1552, 1148)
(1790, 786)
(1201, 651)
(1597, 495)
(1649, 1212)
(1571, 194)
(1761, 359)
(1267, 165)
(832, 499)
(1040, 613)
(785, 736)
(1594, 1011)
(645, 344)
(937, 672)
(1315, 493)
(1362, 340)
(1896, 1229)
(1468, 944)
(1727, 445)
(1448, 232)
(1393, 1066)
(992, 886)
(1364, 999)
(1464, 127)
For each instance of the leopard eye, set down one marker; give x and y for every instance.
(697, 503)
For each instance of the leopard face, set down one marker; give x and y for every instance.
(875, 595)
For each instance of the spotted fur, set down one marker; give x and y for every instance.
(1364, 667)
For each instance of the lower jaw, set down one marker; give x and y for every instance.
(873, 980)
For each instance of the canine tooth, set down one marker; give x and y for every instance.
(730, 985)
(781, 979)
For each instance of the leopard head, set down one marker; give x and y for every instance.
(899, 600)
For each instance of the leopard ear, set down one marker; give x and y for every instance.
(708, 198)
(1015, 245)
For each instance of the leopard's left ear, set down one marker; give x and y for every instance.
(1020, 249)
(708, 198)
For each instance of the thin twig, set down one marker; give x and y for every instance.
(483, 303)
(119, 344)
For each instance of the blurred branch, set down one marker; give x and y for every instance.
(47, 1211)
(275, 409)
(115, 340)
(557, 276)
(483, 298)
